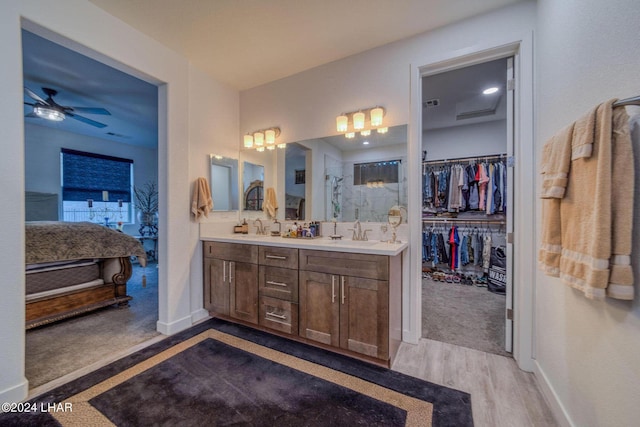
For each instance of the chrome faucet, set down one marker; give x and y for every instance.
(260, 230)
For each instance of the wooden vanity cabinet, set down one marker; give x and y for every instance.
(231, 280)
(278, 289)
(344, 301)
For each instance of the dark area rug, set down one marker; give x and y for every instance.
(219, 373)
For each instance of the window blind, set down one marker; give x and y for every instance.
(87, 175)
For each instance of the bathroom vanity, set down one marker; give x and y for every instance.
(341, 295)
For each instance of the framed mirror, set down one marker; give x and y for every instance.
(253, 186)
(224, 183)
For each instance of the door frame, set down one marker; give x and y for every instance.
(524, 195)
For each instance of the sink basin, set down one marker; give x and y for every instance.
(355, 242)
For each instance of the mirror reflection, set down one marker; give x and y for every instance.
(358, 178)
(295, 181)
(224, 183)
(253, 186)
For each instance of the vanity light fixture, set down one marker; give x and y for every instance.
(263, 138)
(258, 139)
(248, 141)
(362, 120)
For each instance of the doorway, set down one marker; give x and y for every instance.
(51, 351)
(467, 140)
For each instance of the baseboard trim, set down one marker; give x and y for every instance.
(174, 327)
(558, 409)
(199, 315)
(15, 394)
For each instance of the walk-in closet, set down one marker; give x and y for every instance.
(466, 196)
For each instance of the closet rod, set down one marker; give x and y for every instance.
(627, 101)
(465, 159)
(467, 221)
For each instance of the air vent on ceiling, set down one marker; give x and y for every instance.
(431, 103)
(477, 107)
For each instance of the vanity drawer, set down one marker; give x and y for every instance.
(279, 315)
(278, 257)
(344, 263)
(231, 251)
(281, 283)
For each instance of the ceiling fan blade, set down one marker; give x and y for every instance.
(90, 110)
(31, 94)
(29, 103)
(86, 120)
(32, 114)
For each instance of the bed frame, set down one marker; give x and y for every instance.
(78, 299)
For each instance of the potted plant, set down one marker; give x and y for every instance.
(147, 206)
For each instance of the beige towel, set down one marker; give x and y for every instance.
(621, 278)
(586, 214)
(584, 132)
(270, 204)
(556, 161)
(201, 202)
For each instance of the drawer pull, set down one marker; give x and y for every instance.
(277, 316)
(333, 289)
(271, 282)
(275, 257)
(342, 288)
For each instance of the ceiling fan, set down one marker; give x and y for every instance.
(51, 110)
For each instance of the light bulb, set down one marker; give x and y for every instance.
(376, 116)
(383, 130)
(365, 132)
(248, 141)
(270, 136)
(258, 139)
(260, 149)
(283, 145)
(350, 135)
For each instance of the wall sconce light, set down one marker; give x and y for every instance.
(263, 138)
(348, 123)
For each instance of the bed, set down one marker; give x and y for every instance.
(74, 268)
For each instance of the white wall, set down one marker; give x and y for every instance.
(305, 105)
(80, 25)
(466, 141)
(588, 352)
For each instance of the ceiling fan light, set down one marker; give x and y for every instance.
(48, 113)
(258, 139)
(358, 120)
(342, 123)
(248, 141)
(270, 136)
(376, 116)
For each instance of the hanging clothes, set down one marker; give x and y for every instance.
(454, 241)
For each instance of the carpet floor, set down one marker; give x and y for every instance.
(218, 373)
(55, 350)
(468, 316)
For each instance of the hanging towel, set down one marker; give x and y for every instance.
(201, 202)
(270, 204)
(588, 210)
(620, 284)
(556, 160)
(584, 132)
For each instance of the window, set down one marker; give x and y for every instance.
(96, 187)
(376, 173)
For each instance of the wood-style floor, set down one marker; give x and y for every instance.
(501, 393)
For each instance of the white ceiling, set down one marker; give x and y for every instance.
(243, 43)
(246, 43)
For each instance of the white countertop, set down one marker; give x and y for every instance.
(374, 247)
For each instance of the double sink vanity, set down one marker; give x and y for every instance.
(342, 295)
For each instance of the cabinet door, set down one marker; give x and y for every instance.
(319, 307)
(364, 316)
(216, 289)
(244, 291)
